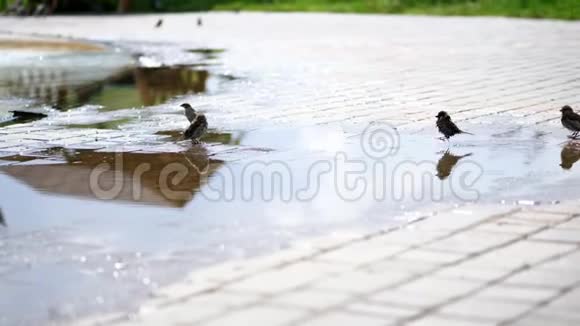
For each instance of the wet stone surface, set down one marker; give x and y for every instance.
(103, 203)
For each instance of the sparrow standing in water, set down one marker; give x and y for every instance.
(198, 124)
(447, 127)
(570, 120)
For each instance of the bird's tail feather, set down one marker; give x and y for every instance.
(465, 132)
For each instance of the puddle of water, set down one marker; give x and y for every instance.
(108, 79)
(212, 136)
(72, 176)
(165, 217)
(111, 124)
(126, 88)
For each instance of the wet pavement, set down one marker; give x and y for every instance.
(103, 201)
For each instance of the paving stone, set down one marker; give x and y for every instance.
(184, 289)
(510, 226)
(361, 282)
(543, 217)
(292, 276)
(536, 319)
(410, 237)
(543, 278)
(477, 308)
(360, 253)
(432, 256)
(440, 320)
(569, 316)
(568, 208)
(574, 224)
(567, 303)
(440, 287)
(388, 312)
(462, 218)
(311, 299)
(177, 315)
(410, 267)
(258, 315)
(522, 253)
(343, 318)
(470, 242)
(558, 235)
(468, 271)
(509, 293)
(218, 300)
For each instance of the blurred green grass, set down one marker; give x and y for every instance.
(559, 9)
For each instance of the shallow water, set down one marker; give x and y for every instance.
(92, 246)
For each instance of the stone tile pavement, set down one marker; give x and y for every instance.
(353, 69)
(469, 265)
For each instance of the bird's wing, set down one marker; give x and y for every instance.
(197, 128)
(190, 114)
(452, 126)
(574, 116)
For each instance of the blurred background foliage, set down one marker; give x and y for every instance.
(561, 9)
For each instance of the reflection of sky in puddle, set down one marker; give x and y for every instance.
(54, 225)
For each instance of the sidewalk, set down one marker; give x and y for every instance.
(474, 265)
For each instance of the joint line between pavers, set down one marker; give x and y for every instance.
(418, 276)
(500, 279)
(547, 301)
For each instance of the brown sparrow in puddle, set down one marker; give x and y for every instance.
(570, 120)
(447, 127)
(198, 124)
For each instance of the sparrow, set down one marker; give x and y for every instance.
(2, 221)
(198, 124)
(27, 115)
(570, 120)
(447, 127)
(446, 164)
(159, 23)
(199, 21)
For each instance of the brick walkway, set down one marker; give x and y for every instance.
(474, 265)
(318, 68)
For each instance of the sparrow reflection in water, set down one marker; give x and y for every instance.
(446, 164)
(570, 154)
(2, 221)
